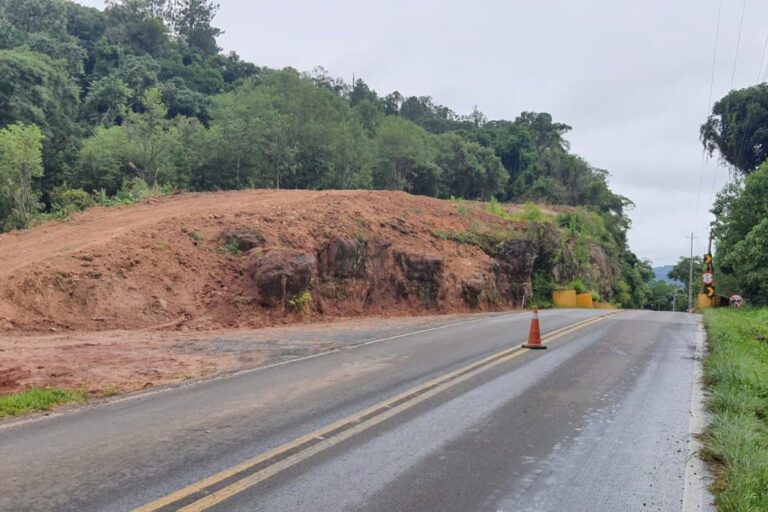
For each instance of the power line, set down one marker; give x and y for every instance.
(714, 54)
(762, 59)
(738, 41)
(709, 104)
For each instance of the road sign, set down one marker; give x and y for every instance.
(707, 278)
(710, 291)
(736, 301)
(707, 259)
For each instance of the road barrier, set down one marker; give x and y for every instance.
(534, 335)
(703, 301)
(570, 299)
(565, 298)
(584, 300)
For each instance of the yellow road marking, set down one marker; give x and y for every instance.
(437, 385)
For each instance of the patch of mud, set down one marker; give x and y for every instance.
(111, 362)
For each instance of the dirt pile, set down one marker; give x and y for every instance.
(257, 258)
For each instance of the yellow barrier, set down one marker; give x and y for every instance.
(584, 300)
(565, 298)
(702, 301)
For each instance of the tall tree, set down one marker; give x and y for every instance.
(740, 231)
(148, 134)
(191, 20)
(20, 162)
(738, 128)
(249, 138)
(469, 170)
(38, 90)
(681, 272)
(403, 152)
(137, 26)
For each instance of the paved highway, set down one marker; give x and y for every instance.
(456, 418)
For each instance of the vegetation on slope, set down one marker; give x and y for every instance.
(738, 129)
(736, 442)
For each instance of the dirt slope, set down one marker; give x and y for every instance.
(119, 299)
(163, 264)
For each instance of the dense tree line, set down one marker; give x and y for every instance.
(141, 90)
(738, 130)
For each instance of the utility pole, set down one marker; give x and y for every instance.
(690, 275)
(674, 298)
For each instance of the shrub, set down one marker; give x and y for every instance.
(300, 302)
(65, 200)
(543, 285)
(577, 285)
(532, 213)
(494, 208)
(570, 221)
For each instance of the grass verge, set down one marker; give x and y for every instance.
(35, 399)
(736, 442)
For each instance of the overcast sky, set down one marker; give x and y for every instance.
(631, 77)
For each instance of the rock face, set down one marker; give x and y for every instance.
(519, 257)
(601, 268)
(282, 275)
(422, 274)
(343, 258)
(480, 290)
(246, 239)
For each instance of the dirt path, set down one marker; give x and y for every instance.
(100, 225)
(123, 361)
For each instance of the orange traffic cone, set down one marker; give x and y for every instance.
(534, 336)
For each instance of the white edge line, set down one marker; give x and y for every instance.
(696, 495)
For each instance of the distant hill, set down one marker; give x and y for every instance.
(661, 273)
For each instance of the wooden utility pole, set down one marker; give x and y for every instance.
(690, 275)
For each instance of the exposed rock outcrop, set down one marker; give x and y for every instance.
(282, 275)
(243, 239)
(422, 276)
(343, 258)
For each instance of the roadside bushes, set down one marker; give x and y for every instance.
(65, 200)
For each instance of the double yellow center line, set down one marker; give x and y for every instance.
(216, 488)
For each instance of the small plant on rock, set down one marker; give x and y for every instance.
(233, 246)
(300, 302)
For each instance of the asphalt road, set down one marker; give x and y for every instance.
(450, 419)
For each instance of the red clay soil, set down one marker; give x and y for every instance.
(140, 266)
(147, 271)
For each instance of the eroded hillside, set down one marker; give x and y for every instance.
(256, 258)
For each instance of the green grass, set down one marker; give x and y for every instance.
(736, 442)
(35, 399)
(233, 246)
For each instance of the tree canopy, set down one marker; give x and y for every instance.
(142, 90)
(738, 128)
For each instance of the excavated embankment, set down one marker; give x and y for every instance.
(119, 299)
(256, 258)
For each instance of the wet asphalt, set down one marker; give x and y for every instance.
(597, 422)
